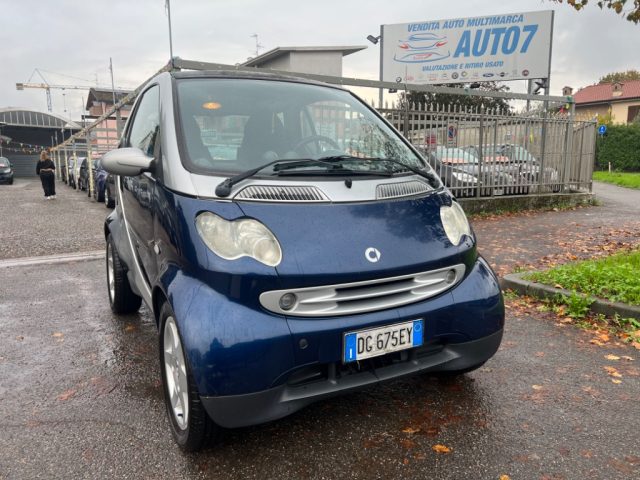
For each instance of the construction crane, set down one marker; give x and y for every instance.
(47, 87)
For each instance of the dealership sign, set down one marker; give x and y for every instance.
(497, 47)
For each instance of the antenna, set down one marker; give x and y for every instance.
(258, 45)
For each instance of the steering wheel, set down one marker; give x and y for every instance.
(317, 138)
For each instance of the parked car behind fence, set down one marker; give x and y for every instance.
(462, 173)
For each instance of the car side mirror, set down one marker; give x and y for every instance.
(128, 162)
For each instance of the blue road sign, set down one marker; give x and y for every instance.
(602, 129)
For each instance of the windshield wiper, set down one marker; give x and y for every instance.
(433, 179)
(223, 189)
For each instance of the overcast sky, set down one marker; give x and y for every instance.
(72, 40)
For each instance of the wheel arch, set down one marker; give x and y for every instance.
(158, 297)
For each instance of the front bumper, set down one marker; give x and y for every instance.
(274, 365)
(6, 177)
(234, 411)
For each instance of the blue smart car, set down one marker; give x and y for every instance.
(291, 246)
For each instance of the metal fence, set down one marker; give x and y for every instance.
(476, 151)
(488, 152)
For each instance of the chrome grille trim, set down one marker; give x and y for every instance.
(281, 193)
(366, 296)
(401, 189)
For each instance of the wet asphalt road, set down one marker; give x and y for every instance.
(80, 394)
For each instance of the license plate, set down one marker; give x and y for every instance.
(382, 340)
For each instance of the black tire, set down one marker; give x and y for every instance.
(121, 298)
(108, 201)
(198, 430)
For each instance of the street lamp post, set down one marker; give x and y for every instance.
(168, 7)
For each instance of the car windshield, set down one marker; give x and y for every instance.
(519, 154)
(4, 162)
(230, 126)
(455, 155)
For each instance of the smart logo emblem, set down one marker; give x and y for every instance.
(372, 254)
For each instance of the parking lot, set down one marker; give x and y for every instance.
(81, 395)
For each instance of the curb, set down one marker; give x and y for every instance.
(515, 282)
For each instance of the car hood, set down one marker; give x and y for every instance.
(331, 243)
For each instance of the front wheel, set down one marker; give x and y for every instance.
(122, 299)
(191, 426)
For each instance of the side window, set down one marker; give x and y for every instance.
(146, 123)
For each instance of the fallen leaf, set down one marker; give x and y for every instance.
(505, 477)
(419, 456)
(627, 358)
(406, 443)
(441, 448)
(405, 461)
(613, 372)
(410, 430)
(66, 395)
(604, 337)
(537, 387)
(596, 342)
(566, 320)
(616, 381)
(539, 354)
(19, 338)
(636, 345)
(58, 335)
(612, 357)
(129, 328)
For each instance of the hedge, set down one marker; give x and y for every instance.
(620, 146)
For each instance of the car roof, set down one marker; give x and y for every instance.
(244, 74)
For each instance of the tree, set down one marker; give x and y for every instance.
(631, 13)
(620, 77)
(462, 100)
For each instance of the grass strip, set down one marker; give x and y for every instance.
(615, 278)
(623, 179)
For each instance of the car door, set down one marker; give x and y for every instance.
(137, 193)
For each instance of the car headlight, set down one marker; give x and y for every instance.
(455, 222)
(239, 238)
(464, 177)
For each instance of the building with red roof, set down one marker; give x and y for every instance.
(621, 99)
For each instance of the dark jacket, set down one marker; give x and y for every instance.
(44, 164)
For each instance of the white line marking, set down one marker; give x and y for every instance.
(52, 259)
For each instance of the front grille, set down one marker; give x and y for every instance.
(367, 296)
(401, 189)
(281, 193)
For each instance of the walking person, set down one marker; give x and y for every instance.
(46, 168)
